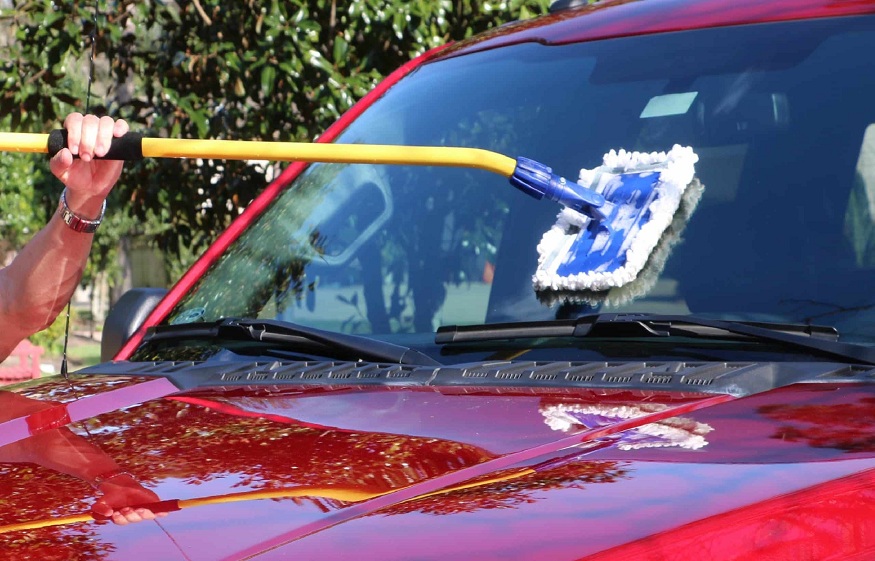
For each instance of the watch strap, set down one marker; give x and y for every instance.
(76, 222)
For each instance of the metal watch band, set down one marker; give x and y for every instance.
(102, 478)
(76, 222)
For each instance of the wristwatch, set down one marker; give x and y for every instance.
(76, 222)
(102, 478)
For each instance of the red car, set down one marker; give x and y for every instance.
(363, 366)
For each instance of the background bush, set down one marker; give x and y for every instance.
(242, 69)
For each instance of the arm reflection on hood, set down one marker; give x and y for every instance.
(61, 450)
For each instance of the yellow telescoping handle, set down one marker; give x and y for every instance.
(531, 177)
(134, 146)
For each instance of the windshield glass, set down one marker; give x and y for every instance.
(784, 230)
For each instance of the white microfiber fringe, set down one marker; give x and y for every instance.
(676, 170)
(648, 276)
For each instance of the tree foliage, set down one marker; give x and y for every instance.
(251, 69)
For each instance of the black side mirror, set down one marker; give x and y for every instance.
(125, 317)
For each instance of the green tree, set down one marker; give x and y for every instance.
(249, 69)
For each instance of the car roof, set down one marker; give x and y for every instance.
(623, 18)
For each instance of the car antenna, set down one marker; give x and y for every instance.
(93, 38)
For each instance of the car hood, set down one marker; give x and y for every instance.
(379, 472)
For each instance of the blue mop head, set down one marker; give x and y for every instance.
(606, 246)
(649, 275)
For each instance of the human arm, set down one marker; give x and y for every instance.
(41, 279)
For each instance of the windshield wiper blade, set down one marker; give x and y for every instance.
(286, 333)
(811, 338)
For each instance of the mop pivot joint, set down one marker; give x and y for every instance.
(538, 181)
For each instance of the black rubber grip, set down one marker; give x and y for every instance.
(128, 147)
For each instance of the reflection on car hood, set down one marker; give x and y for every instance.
(436, 473)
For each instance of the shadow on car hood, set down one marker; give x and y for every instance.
(413, 472)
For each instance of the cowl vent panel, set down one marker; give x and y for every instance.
(732, 378)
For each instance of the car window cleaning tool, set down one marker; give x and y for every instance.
(612, 220)
(651, 198)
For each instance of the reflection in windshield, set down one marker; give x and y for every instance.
(781, 232)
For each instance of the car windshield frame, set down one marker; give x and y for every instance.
(285, 259)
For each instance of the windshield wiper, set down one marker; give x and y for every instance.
(811, 338)
(290, 334)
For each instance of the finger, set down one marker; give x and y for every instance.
(73, 124)
(146, 514)
(105, 130)
(131, 515)
(88, 140)
(120, 128)
(119, 518)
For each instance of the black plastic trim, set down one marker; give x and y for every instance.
(730, 378)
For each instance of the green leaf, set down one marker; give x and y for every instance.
(341, 48)
(268, 79)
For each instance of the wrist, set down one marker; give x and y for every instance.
(80, 217)
(111, 476)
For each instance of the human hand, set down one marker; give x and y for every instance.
(88, 181)
(120, 495)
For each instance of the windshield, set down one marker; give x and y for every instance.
(784, 230)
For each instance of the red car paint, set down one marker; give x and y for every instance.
(775, 467)
(625, 18)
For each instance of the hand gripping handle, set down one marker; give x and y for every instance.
(128, 147)
(170, 505)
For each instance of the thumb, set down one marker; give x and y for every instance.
(60, 164)
(102, 509)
